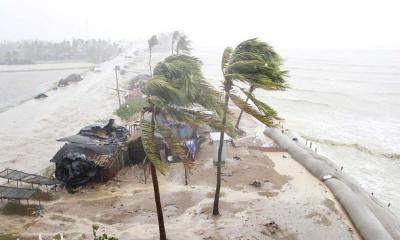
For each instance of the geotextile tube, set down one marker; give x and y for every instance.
(372, 221)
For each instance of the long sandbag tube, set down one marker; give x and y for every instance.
(371, 219)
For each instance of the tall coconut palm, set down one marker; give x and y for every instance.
(177, 85)
(175, 37)
(183, 45)
(152, 42)
(251, 62)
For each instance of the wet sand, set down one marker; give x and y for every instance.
(300, 205)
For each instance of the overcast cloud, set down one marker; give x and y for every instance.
(316, 24)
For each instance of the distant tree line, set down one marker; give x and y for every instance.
(27, 52)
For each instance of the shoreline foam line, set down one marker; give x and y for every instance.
(45, 69)
(371, 220)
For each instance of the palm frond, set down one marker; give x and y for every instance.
(257, 63)
(226, 56)
(150, 146)
(263, 107)
(198, 119)
(160, 87)
(178, 151)
(265, 119)
(262, 49)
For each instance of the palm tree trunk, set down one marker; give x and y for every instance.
(151, 72)
(161, 227)
(221, 144)
(154, 179)
(186, 175)
(251, 89)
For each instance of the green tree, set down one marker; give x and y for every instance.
(152, 42)
(261, 53)
(176, 87)
(250, 62)
(183, 45)
(175, 37)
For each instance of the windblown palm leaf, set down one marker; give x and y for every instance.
(198, 119)
(265, 119)
(263, 50)
(184, 73)
(226, 57)
(178, 151)
(150, 146)
(254, 59)
(183, 45)
(160, 87)
(263, 107)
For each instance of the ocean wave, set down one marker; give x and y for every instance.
(359, 147)
(328, 69)
(318, 91)
(301, 101)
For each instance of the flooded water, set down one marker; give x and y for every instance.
(28, 131)
(347, 103)
(21, 83)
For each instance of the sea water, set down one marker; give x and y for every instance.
(19, 83)
(347, 102)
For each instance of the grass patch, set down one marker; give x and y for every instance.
(13, 208)
(7, 236)
(42, 196)
(129, 109)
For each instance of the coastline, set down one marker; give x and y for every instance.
(371, 219)
(51, 66)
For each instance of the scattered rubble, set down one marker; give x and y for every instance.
(71, 78)
(256, 183)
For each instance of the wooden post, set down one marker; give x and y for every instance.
(145, 174)
(186, 174)
(116, 79)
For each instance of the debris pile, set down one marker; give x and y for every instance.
(71, 78)
(96, 152)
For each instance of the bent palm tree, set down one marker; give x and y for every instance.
(183, 45)
(175, 36)
(177, 85)
(152, 42)
(254, 63)
(253, 52)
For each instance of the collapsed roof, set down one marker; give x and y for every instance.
(85, 153)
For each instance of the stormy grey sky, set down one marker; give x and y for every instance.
(284, 23)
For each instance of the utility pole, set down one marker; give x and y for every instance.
(117, 68)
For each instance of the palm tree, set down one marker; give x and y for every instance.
(254, 50)
(250, 62)
(152, 42)
(183, 45)
(175, 36)
(177, 85)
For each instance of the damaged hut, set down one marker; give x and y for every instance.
(95, 153)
